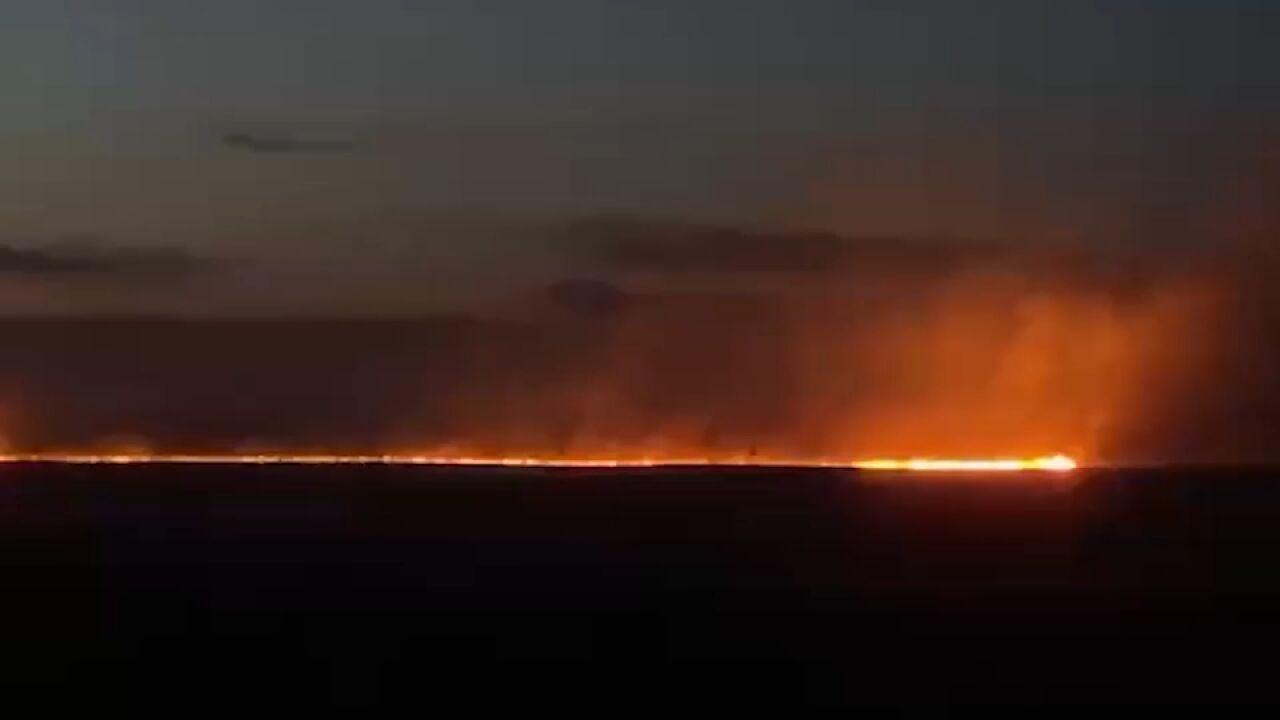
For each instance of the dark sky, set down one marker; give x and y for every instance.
(397, 155)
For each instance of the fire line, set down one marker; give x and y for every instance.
(1054, 463)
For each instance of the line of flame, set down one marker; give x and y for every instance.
(1054, 463)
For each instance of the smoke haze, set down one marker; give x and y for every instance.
(920, 347)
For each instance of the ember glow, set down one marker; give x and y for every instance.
(1055, 463)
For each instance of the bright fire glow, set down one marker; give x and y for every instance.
(1055, 463)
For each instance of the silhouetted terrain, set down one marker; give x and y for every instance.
(354, 588)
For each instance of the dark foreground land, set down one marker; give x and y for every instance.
(186, 588)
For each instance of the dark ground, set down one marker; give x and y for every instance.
(350, 588)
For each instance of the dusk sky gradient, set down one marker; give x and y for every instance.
(475, 125)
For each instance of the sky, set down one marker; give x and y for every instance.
(388, 156)
(914, 226)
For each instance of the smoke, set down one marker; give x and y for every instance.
(1002, 363)
(978, 350)
(982, 349)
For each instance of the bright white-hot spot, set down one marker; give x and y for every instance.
(1055, 463)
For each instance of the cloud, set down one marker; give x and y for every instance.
(587, 296)
(282, 145)
(680, 247)
(94, 258)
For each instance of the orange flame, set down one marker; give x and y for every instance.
(1055, 463)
